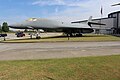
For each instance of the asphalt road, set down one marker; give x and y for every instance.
(25, 51)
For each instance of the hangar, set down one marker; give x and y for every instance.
(116, 21)
(112, 24)
(104, 29)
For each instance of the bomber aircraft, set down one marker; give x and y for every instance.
(71, 29)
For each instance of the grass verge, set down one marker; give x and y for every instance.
(86, 68)
(85, 38)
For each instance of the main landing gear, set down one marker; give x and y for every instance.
(37, 34)
(75, 35)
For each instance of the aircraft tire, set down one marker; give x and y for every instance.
(38, 37)
(78, 35)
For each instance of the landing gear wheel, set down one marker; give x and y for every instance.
(38, 37)
(71, 35)
(78, 35)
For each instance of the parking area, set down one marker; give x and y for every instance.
(13, 36)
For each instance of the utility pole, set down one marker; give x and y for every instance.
(101, 17)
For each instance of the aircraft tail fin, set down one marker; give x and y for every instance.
(90, 19)
(90, 22)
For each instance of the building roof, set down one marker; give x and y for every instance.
(114, 12)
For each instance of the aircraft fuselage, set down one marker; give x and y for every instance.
(48, 25)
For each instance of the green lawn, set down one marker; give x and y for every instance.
(85, 68)
(86, 37)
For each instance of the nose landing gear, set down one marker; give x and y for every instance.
(38, 35)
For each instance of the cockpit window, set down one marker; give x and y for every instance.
(32, 19)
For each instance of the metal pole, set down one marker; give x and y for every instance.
(68, 36)
(101, 18)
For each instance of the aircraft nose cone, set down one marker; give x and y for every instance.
(11, 26)
(18, 26)
(15, 26)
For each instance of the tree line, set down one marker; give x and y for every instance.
(4, 27)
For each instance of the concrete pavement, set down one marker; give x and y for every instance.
(25, 51)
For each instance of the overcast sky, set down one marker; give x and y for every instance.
(63, 10)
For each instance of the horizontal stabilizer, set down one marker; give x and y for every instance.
(94, 23)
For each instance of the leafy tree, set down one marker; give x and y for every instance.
(0, 28)
(5, 27)
(25, 30)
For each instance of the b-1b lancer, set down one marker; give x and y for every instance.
(71, 29)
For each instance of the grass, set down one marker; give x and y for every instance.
(85, 38)
(85, 68)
